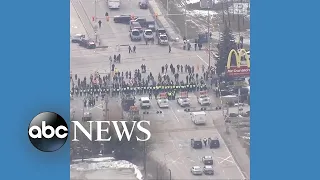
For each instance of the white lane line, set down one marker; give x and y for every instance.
(174, 114)
(224, 143)
(202, 60)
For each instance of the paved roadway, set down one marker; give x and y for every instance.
(174, 126)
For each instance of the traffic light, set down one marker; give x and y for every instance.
(92, 18)
(132, 17)
(156, 15)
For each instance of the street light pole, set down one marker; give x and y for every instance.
(95, 10)
(185, 20)
(169, 174)
(208, 35)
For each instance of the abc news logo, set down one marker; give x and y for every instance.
(48, 131)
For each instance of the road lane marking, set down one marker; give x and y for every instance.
(226, 159)
(224, 144)
(202, 60)
(174, 114)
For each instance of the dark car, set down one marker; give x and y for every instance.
(143, 4)
(87, 43)
(161, 31)
(196, 143)
(124, 19)
(213, 143)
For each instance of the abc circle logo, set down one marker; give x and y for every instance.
(48, 131)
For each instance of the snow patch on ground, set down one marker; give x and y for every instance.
(105, 163)
(202, 13)
(240, 8)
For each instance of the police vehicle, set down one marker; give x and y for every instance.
(163, 39)
(183, 100)
(163, 101)
(145, 102)
(196, 170)
(203, 98)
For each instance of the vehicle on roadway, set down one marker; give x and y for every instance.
(161, 31)
(213, 143)
(199, 118)
(183, 100)
(148, 34)
(145, 103)
(77, 38)
(196, 170)
(203, 98)
(87, 43)
(163, 101)
(208, 170)
(163, 39)
(207, 160)
(135, 25)
(196, 143)
(135, 35)
(114, 4)
(87, 116)
(124, 19)
(143, 4)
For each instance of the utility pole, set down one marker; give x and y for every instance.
(208, 35)
(185, 21)
(95, 10)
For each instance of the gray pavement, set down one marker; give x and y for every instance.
(173, 126)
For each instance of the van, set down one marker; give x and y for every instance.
(198, 117)
(145, 102)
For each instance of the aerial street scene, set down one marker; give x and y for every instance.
(181, 65)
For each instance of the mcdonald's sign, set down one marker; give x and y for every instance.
(239, 69)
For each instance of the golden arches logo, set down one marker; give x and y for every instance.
(242, 52)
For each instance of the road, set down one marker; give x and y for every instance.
(197, 19)
(173, 127)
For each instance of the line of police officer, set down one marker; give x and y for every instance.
(98, 90)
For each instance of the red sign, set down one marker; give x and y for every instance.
(238, 71)
(163, 95)
(183, 94)
(203, 93)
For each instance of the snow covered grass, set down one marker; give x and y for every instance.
(104, 163)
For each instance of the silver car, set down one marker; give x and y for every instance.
(196, 170)
(135, 35)
(148, 34)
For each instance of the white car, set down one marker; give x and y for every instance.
(148, 34)
(183, 101)
(77, 38)
(163, 103)
(163, 39)
(204, 100)
(196, 170)
(135, 35)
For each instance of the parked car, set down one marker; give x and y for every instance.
(196, 170)
(208, 170)
(196, 143)
(207, 160)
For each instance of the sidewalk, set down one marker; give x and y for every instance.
(76, 26)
